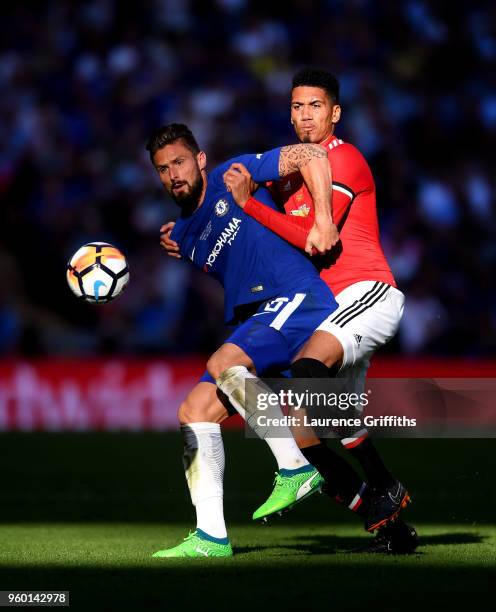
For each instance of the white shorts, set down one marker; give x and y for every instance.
(367, 317)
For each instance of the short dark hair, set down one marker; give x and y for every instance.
(315, 77)
(167, 134)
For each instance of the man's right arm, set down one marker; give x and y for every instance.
(293, 229)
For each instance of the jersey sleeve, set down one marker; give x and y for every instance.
(341, 201)
(351, 176)
(262, 166)
(293, 229)
(177, 235)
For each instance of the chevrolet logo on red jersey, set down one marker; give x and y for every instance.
(301, 211)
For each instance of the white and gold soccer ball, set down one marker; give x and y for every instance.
(97, 272)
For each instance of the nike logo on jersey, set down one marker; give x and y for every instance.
(306, 487)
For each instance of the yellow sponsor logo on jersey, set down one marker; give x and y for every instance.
(301, 211)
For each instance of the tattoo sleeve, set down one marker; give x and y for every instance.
(294, 157)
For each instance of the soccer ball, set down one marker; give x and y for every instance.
(97, 272)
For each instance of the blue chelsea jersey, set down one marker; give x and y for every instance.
(252, 263)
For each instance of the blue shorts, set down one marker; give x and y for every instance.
(281, 326)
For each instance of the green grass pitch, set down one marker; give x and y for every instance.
(84, 512)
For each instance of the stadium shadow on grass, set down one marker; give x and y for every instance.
(52, 482)
(325, 546)
(182, 585)
(139, 478)
(452, 538)
(335, 544)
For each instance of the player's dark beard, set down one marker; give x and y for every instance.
(188, 202)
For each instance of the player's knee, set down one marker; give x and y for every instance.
(309, 368)
(229, 355)
(186, 413)
(192, 412)
(218, 364)
(215, 366)
(212, 410)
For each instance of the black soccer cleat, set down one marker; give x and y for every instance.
(396, 538)
(385, 505)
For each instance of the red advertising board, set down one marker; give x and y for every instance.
(81, 395)
(135, 395)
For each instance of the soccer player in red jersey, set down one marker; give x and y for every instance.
(370, 305)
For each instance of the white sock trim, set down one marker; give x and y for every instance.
(202, 426)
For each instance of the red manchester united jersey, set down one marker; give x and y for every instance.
(358, 256)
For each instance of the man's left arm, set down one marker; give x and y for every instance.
(312, 162)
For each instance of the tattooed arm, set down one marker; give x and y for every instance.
(293, 157)
(312, 162)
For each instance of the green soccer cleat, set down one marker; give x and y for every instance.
(291, 487)
(198, 544)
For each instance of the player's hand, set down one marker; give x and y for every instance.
(240, 183)
(321, 238)
(170, 247)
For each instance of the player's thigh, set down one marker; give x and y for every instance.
(227, 356)
(203, 403)
(367, 318)
(276, 332)
(325, 347)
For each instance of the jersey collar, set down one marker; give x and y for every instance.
(327, 141)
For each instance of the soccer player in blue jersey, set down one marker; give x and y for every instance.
(274, 313)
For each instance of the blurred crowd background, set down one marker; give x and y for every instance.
(83, 85)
